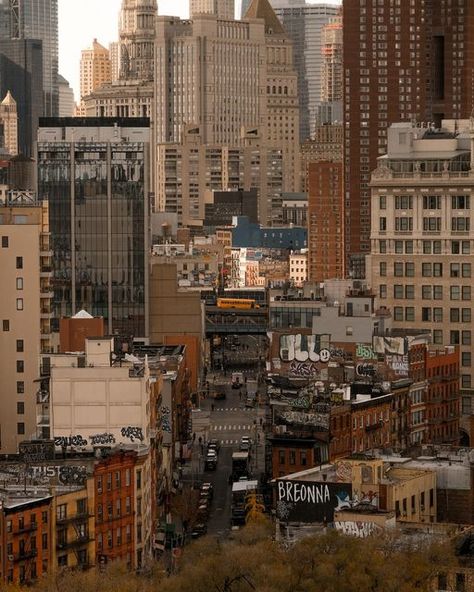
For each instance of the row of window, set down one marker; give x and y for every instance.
(407, 269)
(117, 477)
(430, 224)
(430, 202)
(428, 247)
(122, 535)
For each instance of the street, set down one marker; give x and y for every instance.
(226, 420)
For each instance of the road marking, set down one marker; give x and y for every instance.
(231, 427)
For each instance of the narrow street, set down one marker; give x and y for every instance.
(225, 420)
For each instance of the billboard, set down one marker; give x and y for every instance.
(305, 501)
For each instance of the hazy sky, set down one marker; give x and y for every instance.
(81, 22)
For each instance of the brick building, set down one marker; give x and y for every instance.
(371, 422)
(26, 539)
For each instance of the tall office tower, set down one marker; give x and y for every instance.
(245, 72)
(37, 19)
(324, 175)
(9, 125)
(330, 109)
(25, 261)
(304, 24)
(224, 9)
(114, 52)
(137, 38)
(21, 72)
(402, 61)
(95, 174)
(422, 239)
(189, 171)
(66, 98)
(96, 69)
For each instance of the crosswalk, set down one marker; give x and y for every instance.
(229, 442)
(231, 427)
(245, 409)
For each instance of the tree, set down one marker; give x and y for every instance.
(254, 508)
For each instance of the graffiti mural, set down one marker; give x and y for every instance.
(320, 420)
(368, 498)
(303, 348)
(390, 345)
(98, 439)
(63, 474)
(357, 529)
(132, 433)
(303, 370)
(399, 364)
(366, 370)
(67, 441)
(365, 352)
(32, 452)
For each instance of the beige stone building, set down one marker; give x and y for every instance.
(299, 268)
(224, 9)
(95, 68)
(422, 237)
(244, 70)
(25, 261)
(9, 125)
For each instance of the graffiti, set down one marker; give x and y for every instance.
(390, 345)
(166, 419)
(357, 529)
(65, 441)
(303, 348)
(344, 472)
(301, 402)
(366, 352)
(63, 474)
(36, 451)
(290, 491)
(365, 370)
(320, 420)
(98, 439)
(303, 370)
(399, 364)
(132, 433)
(337, 352)
(368, 498)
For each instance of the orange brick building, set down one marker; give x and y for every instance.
(326, 221)
(371, 423)
(114, 508)
(26, 541)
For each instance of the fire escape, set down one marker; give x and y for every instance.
(73, 535)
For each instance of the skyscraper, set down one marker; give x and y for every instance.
(304, 24)
(95, 68)
(21, 73)
(247, 83)
(402, 61)
(36, 19)
(332, 73)
(243, 8)
(137, 38)
(224, 9)
(95, 174)
(9, 125)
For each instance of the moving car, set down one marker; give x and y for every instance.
(210, 463)
(245, 443)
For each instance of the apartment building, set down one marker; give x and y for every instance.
(422, 237)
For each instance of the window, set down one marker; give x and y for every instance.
(436, 247)
(466, 337)
(454, 337)
(6, 325)
(20, 428)
(20, 346)
(426, 292)
(19, 262)
(139, 479)
(292, 457)
(110, 542)
(44, 517)
(398, 291)
(19, 303)
(383, 291)
(382, 202)
(438, 292)
(20, 408)
(466, 270)
(465, 380)
(466, 359)
(455, 247)
(398, 247)
(117, 479)
(409, 247)
(4, 242)
(460, 224)
(466, 292)
(466, 248)
(20, 366)
(460, 582)
(303, 458)
(460, 202)
(19, 283)
(403, 202)
(398, 313)
(455, 270)
(99, 484)
(410, 269)
(382, 224)
(431, 224)
(466, 315)
(438, 315)
(383, 246)
(437, 269)
(454, 315)
(426, 270)
(466, 406)
(398, 269)
(20, 387)
(44, 541)
(426, 314)
(109, 481)
(431, 202)
(404, 224)
(454, 292)
(382, 268)
(127, 478)
(410, 313)
(437, 336)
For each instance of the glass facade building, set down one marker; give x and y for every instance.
(98, 202)
(21, 73)
(36, 19)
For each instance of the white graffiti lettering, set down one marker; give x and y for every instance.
(313, 493)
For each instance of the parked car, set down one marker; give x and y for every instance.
(208, 489)
(199, 530)
(210, 463)
(244, 444)
(214, 442)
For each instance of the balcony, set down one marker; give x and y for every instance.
(25, 554)
(77, 542)
(46, 313)
(27, 528)
(78, 517)
(45, 271)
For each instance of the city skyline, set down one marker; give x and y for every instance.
(77, 30)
